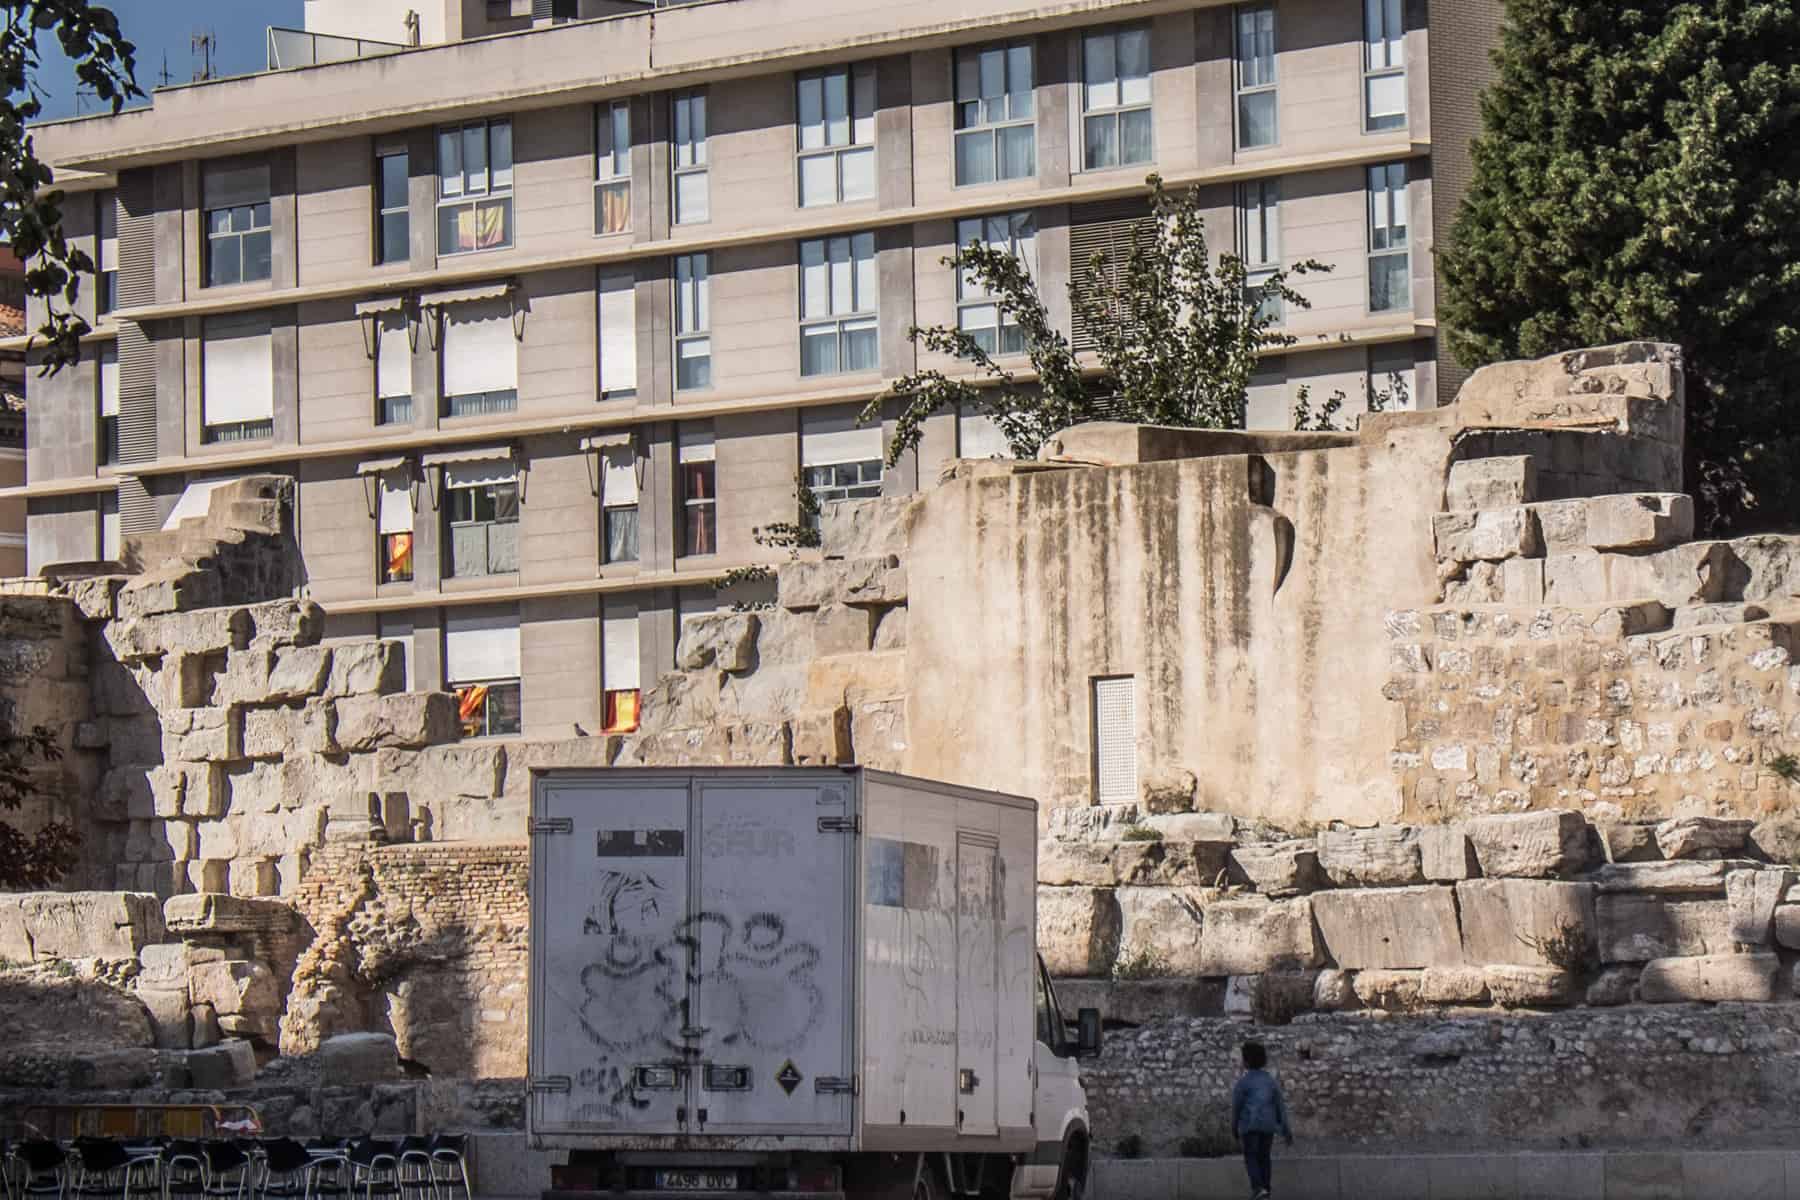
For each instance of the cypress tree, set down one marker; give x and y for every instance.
(1638, 176)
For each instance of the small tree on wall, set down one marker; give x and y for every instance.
(1177, 334)
(30, 860)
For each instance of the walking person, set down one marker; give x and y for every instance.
(1258, 1113)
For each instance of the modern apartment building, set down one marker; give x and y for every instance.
(547, 312)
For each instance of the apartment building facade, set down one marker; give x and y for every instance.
(547, 318)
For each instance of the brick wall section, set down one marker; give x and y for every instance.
(428, 940)
(1464, 34)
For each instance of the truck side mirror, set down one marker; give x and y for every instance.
(1087, 1033)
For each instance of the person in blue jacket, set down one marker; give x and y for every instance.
(1258, 1113)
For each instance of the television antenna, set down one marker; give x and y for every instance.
(204, 44)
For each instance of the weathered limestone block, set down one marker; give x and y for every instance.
(457, 770)
(1720, 977)
(1644, 521)
(351, 1058)
(96, 597)
(1530, 845)
(1078, 930)
(204, 1026)
(1168, 790)
(855, 679)
(1132, 863)
(1777, 838)
(269, 732)
(1334, 991)
(1492, 535)
(280, 623)
(1702, 837)
(215, 914)
(1630, 842)
(856, 529)
(1514, 986)
(1477, 483)
(842, 629)
(1386, 856)
(125, 794)
(1695, 877)
(1527, 922)
(315, 727)
(878, 579)
(1097, 822)
(170, 1020)
(39, 925)
(409, 719)
(174, 588)
(822, 738)
(1160, 930)
(1251, 937)
(1453, 985)
(213, 735)
(1787, 926)
(245, 679)
(1389, 928)
(298, 672)
(1631, 388)
(212, 630)
(251, 878)
(1752, 897)
(1213, 827)
(230, 1064)
(366, 669)
(238, 988)
(1638, 928)
(1614, 986)
(1280, 868)
(209, 875)
(725, 641)
(1445, 854)
(215, 839)
(890, 634)
(1389, 991)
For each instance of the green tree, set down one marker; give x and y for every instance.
(1638, 176)
(30, 208)
(1177, 336)
(41, 858)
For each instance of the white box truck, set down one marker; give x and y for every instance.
(795, 982)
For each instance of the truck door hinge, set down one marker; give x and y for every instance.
(839, 825)
(551, 825)
(835, 1085)
(551, 1083)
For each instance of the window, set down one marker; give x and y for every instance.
(475, 183)
(481, 359)
(996, 134)
(839, 459)
(692, 201)
(393, 215)
(618, 334)
(619, 503)
(481, 665)
(699, 494)
(1259, 241)
(1384, 66)
(481, 513)
(237, 244)
(1255, 68)
(107, 297)
(1115, 98)
(693, 318)
(977, 314)
(1108, 228)
(837, 305)
(612, 167)
(1115, 740)
(394, 529)
(110, 532)
(836, 126)
(108, 381)
(619, 665)
(1390, 287)
(393, 370)
(237, 379)
(1393, 376)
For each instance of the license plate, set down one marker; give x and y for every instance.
(696, 1181)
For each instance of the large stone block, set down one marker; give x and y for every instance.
(1445, 854)
(1530, 845)
(1389, 928)
(279, 623)
(822, 738)
(213, 735)
(858, 529)
(1514, 986)
(1711, 978)
(367, 669)
(855, 679)
(1492, 535)
(1692, 877)
(1168, 790)
(724, 641)
(1132, 863)
(352, 1058)
(1160, 931)
(1703, 837)
(410, 719)
(1640, 927)
(216, 914)
(230, 1064)
(1280, 868)
(878, 579)
(1250, 937)
(1644, 521)
(236, 988)
(1477, 483)
(41, 925)
(1078, 930)
(1389, 991)
(269, 732)
(1634, 388)
(1777, 838)
(1527, 922)
(169, 1009)
(1752, 897)
(843, 629)
(1787, 926)
(1453, 985)
(299, 672)
(168, 589)
(1386, 856)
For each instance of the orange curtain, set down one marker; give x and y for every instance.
(615, 209)
(471, 702)
(622, 711)
(490, 226)
(399, 557)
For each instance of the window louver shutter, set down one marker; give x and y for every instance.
(1115, 740)
(1102, 228)
(138, 509)
(135, 220)
(137, 395)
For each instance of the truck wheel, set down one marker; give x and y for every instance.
(1072, 1176)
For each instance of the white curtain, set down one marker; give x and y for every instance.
(619, 645)
(481, 645)
(831, 435)
(238, 375)
(618, 333)
(480, 352)
(396, 503)
(393, 362)
(109, 381)
(620, 483)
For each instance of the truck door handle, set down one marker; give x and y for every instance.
(702, 1116)
(681, 1114)
(967, 1082)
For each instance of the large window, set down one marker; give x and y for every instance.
(1259, 241)
(837, 305)
(836, 123)
(394, 529)
(1384, 66)
(237, 379)
(481, 665)
(237, 244)
(1390, 287)
(1115, 98)
(699, 490)
(693, 321)
(108, 380)
(481, 518)
(612, 167)
(618, 334)
(693, 201)
(839, 459)
(1255, 76)
(619, 665)
(977, 313)
(393, 213)
(996, 131)
(475, 185)
(108, 265)
(619, 503)
(393, 369)
(481, 359)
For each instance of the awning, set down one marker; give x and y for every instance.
(472, 454)
(387, 304)
(612, 439)
(380, 466)
(468, 295)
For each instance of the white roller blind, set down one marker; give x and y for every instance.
(619, 646)
(618, 333)
(481, 645)
(109, 231)
(978, 437)
(229, 182)
(238, 381)
(393, 362)
(480, 474)
(696, 443)
(1115, 740)
(109, 381)
(831, 435)
(480, 352)
(396, 503)
(1387, 96)
(109, 528)
(196, 498)
(620, 485)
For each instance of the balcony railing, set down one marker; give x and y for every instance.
(298, 48)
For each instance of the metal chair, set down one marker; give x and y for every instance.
(328, 1178)
(183, 1170)
(415, 1179)
(375, 1169)
(102, 1169)
(228, 1171)
(450, 1165)
(42, 1169)
(286, 1169)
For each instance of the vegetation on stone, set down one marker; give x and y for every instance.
(42, 857)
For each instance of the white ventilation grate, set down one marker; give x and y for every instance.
(1115, 740)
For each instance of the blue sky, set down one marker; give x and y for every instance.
(167, 26)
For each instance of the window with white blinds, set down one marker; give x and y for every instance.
(1094, 229)
(619, 669)
(1384, 65)
(1259, 241)
(109, 528)
(109, 403)
(393, 370)
(394, 528)
(839, 458)
(237, 378)
(481, 645)
(1115, 740)
(396, 514)
(481, 359)
(618, 334)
